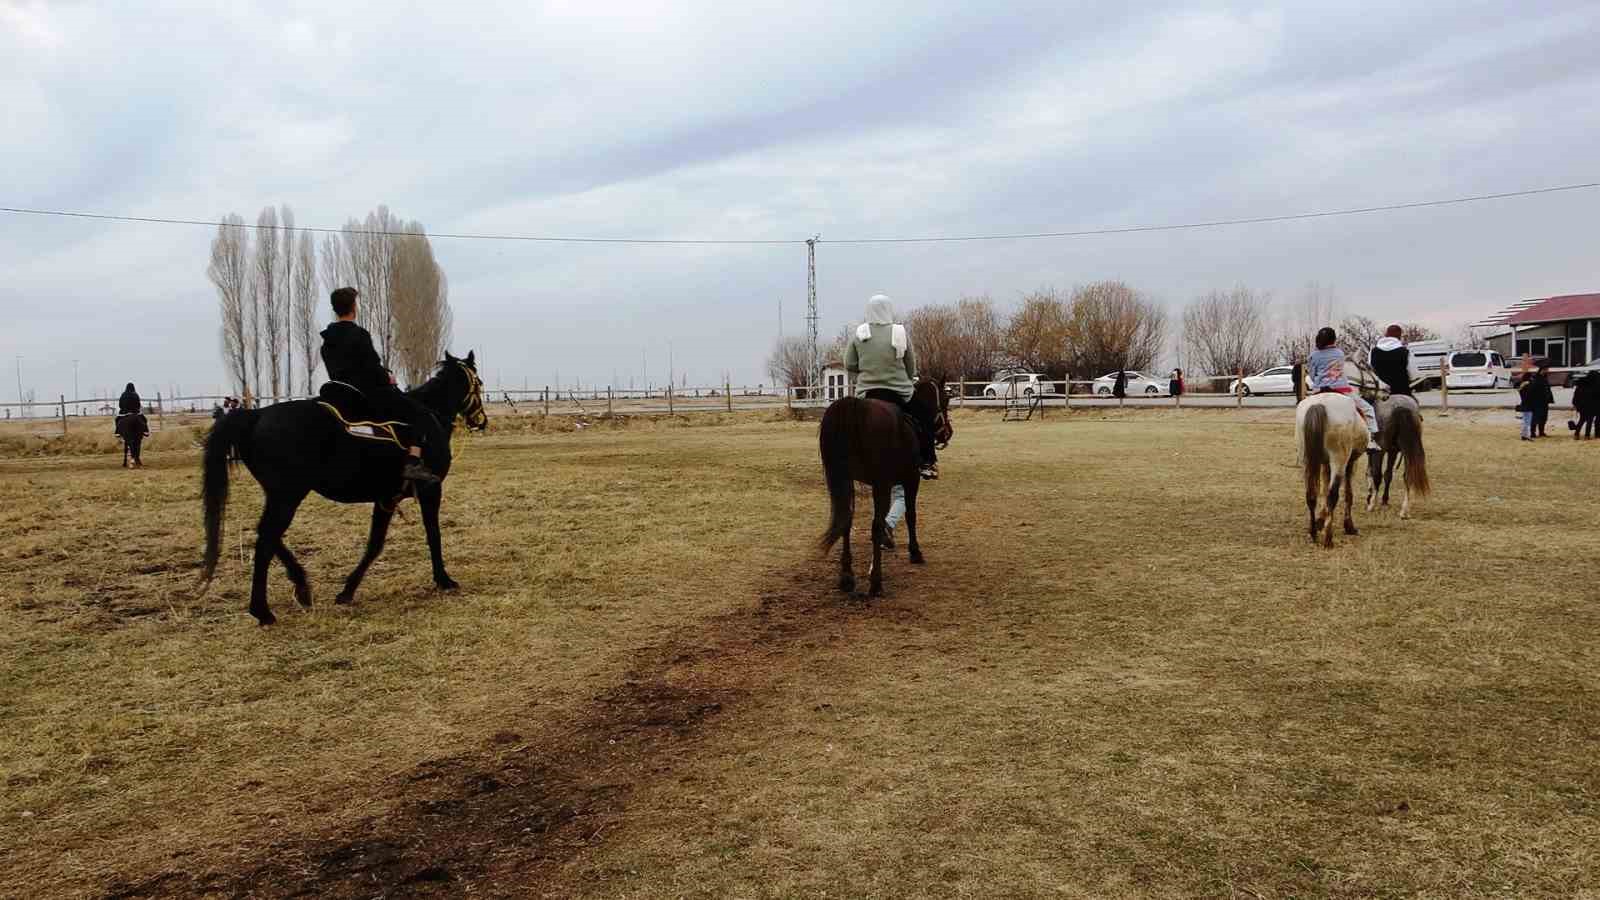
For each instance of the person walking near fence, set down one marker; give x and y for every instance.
(1119, 387)
(882, 365)
(1536, 398)
(1175, 385)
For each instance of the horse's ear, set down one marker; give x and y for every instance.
(472, 358)
(448, 357)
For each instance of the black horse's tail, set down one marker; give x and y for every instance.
(227, 434)
(839, 425)
(1404, 433)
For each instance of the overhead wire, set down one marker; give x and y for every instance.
(927, 239)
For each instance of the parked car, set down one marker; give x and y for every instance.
(1477, 369)
(1138, 383)
(1276, 380)
(1016, 384)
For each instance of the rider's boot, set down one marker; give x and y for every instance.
(417, 471)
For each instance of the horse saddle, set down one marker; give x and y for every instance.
(347, 404)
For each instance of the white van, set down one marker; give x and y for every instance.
(1428, 355)
(1477, 369)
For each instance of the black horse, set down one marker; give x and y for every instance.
(1586, 403)
(132, 429)
(298, 447)
(870, 441)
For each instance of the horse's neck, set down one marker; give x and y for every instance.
(435, 395)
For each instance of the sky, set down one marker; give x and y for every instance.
(768, 121)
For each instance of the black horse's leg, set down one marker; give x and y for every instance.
(375, 538)
(847, 574)
(429, 498)
(297, 573)
(275, 519)
(1349, 496)
(882, 496)
(914, 550)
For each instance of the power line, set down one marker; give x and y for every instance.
(1089, 232)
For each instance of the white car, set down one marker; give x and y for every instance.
(1138, 383)
(1276, 380)
(1477, 369)
(1017, 384)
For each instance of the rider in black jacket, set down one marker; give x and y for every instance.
(1391, 361)
(129, 401)
(349, 356)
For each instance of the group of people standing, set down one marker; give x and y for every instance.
(1534, 397)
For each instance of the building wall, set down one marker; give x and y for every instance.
(1563, 343)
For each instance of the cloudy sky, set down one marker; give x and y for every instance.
(757, 120)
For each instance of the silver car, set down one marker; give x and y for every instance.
(1276, 380)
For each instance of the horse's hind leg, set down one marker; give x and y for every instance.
(375, 538)
(1388, 475)
(882, 496)
(1313, 486)
(914, 550)
(275, 519)
(1333, 506)
(1349, 498)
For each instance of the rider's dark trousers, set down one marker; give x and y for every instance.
(389, 403)
(922, 417)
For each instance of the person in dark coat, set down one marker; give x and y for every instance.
(1392, 362)
(1175, 385)
(1119, 388)
(349, 357)
(129, 401)
(1543, 398)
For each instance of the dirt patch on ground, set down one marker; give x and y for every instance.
(527, 801)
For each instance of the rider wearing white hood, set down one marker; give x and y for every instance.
(1393, 363)
(880, 361)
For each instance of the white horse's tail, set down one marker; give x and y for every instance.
(1313, 447)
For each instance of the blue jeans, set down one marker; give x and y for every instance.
(1527, 423)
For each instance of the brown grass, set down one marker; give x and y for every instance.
(1124, 672)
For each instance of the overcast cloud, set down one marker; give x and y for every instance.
(777, 121)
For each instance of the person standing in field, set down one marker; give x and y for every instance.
(1119, 387)
(1536, 400)
(1175, 384)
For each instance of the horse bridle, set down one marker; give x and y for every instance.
(472, 410)
(943, 431)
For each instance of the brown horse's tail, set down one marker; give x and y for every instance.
(1404, 433)
(1314, 433)
(839, 426)
(228, 433)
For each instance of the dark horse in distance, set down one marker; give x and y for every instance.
(298, 447)
(132, 429)
(870, 441)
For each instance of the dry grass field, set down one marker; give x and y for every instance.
(1124, 672)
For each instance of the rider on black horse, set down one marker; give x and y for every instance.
(883, 367)
(349, 356)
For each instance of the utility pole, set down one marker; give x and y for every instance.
(815, 368)
(75, 394)
(20, 409)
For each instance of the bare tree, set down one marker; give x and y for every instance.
(1468, 338)
(935, 334)
(789, 363)
(1358, 335)
(1410, 332)
(1037, 336)
(268, 303)
(229, 271)
(1314, 308)
(305, 306)
(1111, 325)
(419, 305)
(1226, 331)
(286, 279)
(978, 331)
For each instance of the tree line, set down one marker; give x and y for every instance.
(271, 281)
(1105, 326)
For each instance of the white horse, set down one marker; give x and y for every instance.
(1400, 436)
(1330, 436)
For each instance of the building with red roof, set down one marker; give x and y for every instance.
(1559, 329)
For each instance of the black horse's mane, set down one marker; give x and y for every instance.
(429, 391)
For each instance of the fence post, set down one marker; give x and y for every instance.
(547, 401)
(961, 395)
(1066, 391)
(161, 419)
(727, 390)
(1238, 393)
(63, 413)
(1444, 386)
(671, 411)
(608, 399)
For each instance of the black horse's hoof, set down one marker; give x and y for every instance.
(302, 595)
(265, 618)
(1351, 529)
(875, 591)
(916, 556)
(446, 584)
(345, 598)
(847, 583)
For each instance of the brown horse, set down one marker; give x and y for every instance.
(871, 442)
(132, 429)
